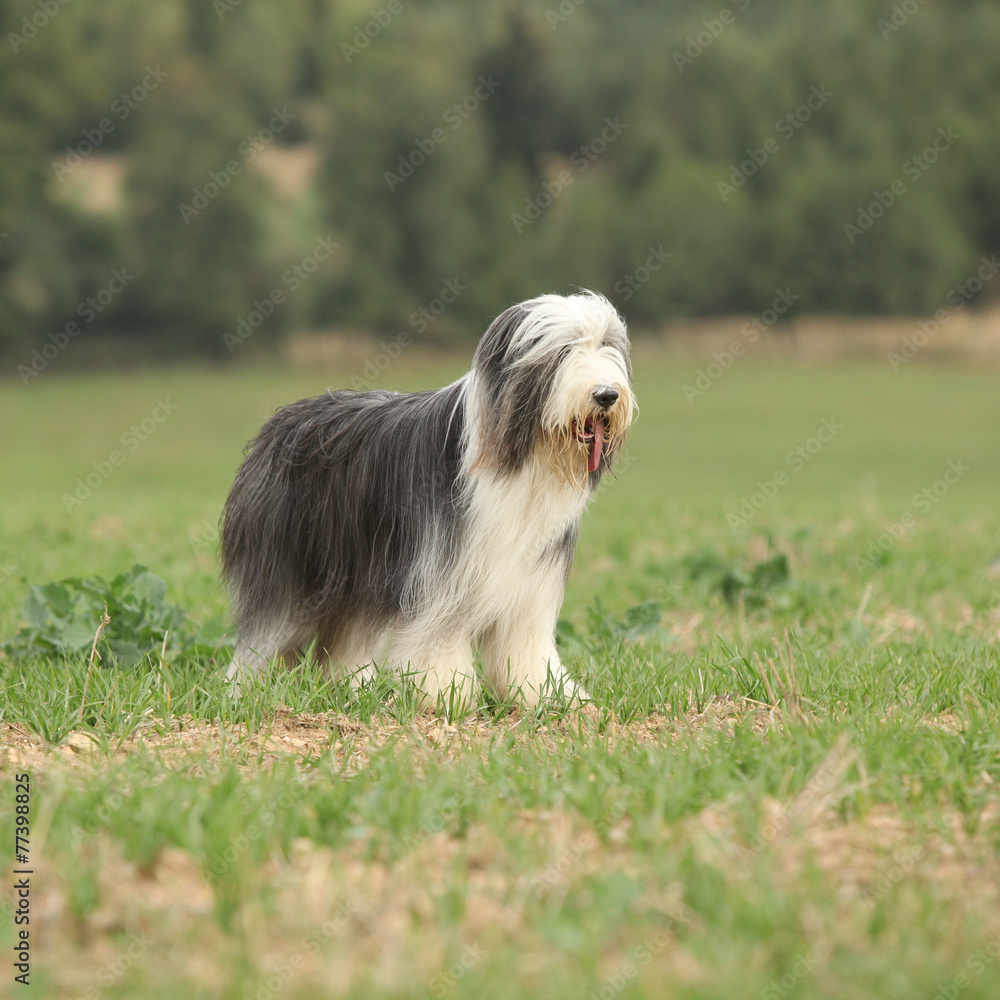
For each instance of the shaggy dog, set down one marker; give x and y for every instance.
(384, 529)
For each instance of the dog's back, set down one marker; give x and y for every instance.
(329, 509)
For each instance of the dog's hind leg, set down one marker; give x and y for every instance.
(356, 655)
(253, 654)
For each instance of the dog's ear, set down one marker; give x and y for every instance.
(511, 395)
(493, 355)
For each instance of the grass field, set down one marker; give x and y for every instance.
(786, 608)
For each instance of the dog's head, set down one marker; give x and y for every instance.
(554, 373)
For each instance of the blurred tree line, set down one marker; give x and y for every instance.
(688, 159)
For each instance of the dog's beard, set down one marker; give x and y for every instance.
(585, 436)
(591, 438)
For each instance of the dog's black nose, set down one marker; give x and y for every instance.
(606, 396)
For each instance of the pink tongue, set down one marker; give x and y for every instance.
(594, 459)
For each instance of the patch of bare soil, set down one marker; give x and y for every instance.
(306, 737)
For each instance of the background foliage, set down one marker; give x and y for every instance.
(363, 87)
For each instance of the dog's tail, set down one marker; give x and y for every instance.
(258, 525)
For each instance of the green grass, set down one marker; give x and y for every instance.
(785, 785)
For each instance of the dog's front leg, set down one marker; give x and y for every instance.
(518, 649)
(441, 667)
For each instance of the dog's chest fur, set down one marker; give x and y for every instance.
(519, 533)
